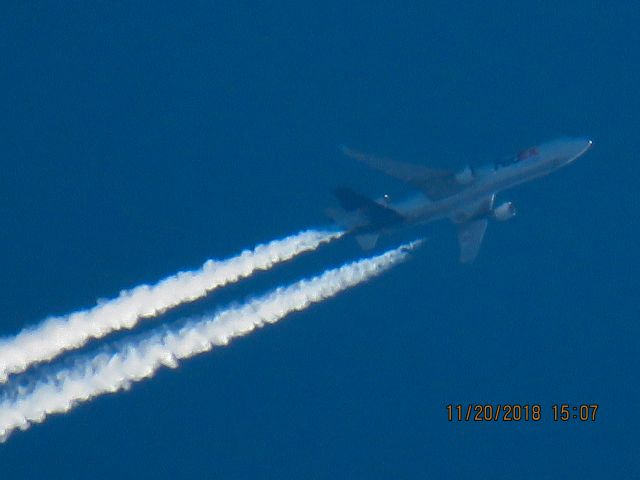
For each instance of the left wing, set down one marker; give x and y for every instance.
(470, 235)
(435, 183)
(472, 225)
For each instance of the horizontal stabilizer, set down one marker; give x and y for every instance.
(435, 183)
(367, 241)
(377, 215)
(347, 220)
(350, 200)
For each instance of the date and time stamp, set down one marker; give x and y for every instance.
(476, 412)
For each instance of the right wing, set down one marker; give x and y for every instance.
(435, 183)
(472, 226)
(470, 235)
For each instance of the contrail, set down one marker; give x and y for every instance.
(56, 335)
(135, 361)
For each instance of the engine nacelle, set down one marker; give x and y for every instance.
(504, 212)
(464, 176)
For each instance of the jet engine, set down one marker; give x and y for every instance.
(464, 176)
(504, 212)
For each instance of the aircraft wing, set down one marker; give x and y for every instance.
(472, 224)
(470, 235)
(435, 183)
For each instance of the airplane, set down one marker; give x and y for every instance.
(466, 197)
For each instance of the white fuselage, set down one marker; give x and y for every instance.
(488, 180)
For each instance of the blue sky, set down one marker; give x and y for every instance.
(143, 139)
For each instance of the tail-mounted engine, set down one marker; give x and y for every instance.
(504, 212)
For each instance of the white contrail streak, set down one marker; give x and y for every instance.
(135, 361)
(58, 334)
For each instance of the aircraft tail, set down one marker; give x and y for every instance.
(363, 217)
(376, 214)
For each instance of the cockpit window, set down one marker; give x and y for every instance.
(528, 153)
(523, 155)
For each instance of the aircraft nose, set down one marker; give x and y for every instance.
(578, 146)
(569, 149)
(586, 145)
(564, 151)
